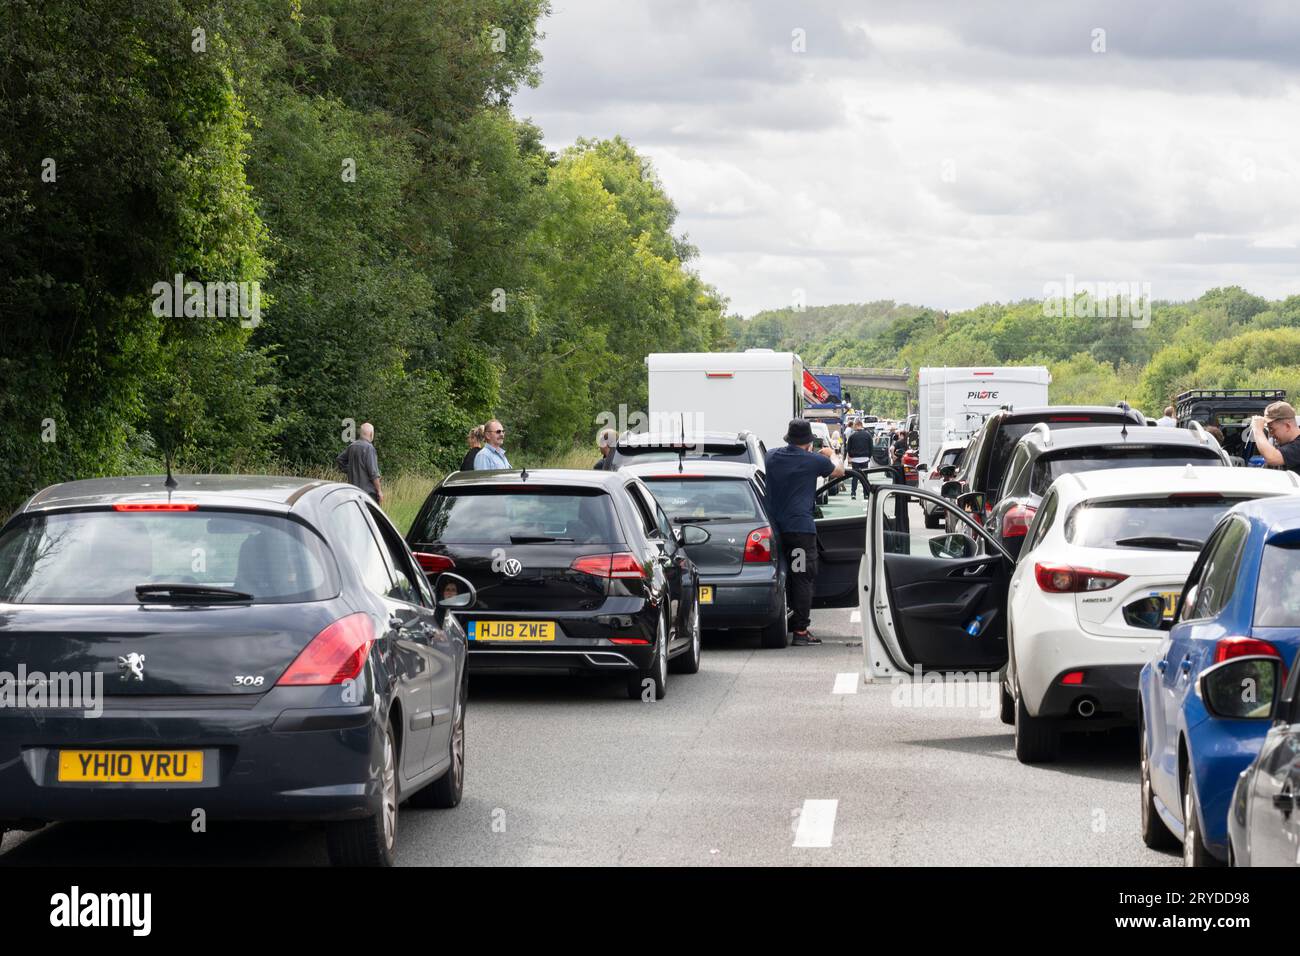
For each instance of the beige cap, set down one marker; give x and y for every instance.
(1279, 411)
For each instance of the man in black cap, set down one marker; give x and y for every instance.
(792, 474)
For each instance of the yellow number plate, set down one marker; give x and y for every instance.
(706, 594)
(1171, 603)
(512, 631)
(131, 766)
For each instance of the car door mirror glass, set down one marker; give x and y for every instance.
(1243, 688)
(690, 534)
(953, 546)
(453, 591)
(1147, 613)
(973, 504)
(947, 472)
(951, 489)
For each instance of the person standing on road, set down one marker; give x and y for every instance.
(1167, 420)
(492, 456)
(361, 464)
(475, 440)
(792, 474)
(607, 439)
(1278, 423)
(857, 451)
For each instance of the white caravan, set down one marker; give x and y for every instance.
(952, 403)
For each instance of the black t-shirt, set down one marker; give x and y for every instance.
(1291, 455)
(467, 463)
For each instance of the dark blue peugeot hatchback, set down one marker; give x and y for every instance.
(257, 648)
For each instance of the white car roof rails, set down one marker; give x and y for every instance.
(1042, 429)
(1195, 427)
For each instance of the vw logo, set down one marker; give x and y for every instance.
(512, 567)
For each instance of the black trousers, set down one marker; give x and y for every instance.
(799, 552)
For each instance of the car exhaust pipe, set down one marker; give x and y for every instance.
(1085, 707)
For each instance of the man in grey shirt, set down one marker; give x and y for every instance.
(360, 463)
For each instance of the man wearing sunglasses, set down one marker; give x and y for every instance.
(1278, 423)
(492, 456)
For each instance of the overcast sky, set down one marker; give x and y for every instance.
(949, 153)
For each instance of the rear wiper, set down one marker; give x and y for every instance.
(1157, 541)
(146, 591)
(534, 539)
(704, 518)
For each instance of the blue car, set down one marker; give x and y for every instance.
(1241, 600)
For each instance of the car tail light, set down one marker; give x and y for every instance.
(1230, 647)
(1016, 522)
(155, 506)
(758, 545)
(935, 474)
(334, 655)
(434, 563)
(1063, 579)
(623, 564)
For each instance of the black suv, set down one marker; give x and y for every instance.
(1044, 455)
(987, 456)
(1230, 409)
(574, 571)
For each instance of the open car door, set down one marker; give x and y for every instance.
(842, 536)
(938, 600)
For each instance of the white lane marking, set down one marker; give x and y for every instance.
(846, 683)
(816, 823)
(855, 617)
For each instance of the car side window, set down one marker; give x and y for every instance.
(1014, 470)
(1219, 572)
(1043, 521)
(665, 526)
(642, 509)
(405, 576)
(353, 534)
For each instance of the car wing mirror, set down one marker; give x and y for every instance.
(453, 592)
(973, 504)
(947, 472)
(1241, 688)
(950, 489)
(953, 546)
(689, 534)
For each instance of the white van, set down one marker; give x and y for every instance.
(952, 403)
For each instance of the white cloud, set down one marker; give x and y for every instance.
(948, 154)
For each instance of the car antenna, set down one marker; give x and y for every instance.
(681, 445)
(523, 473)
(171, 482)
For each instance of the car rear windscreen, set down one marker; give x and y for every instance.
(1161, 524)
(99, 557)
(687, 499)
(1010, 432)
(1074, 461)
(949, 457)
(521, 516)
(1277, 597)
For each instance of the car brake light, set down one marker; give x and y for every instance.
(1073, 678)
(758, 545)
(156, 506)
(1230, 647)
(1016, 522)
(334, 655)
(433, 563)
(1063, 579)
(620, 565)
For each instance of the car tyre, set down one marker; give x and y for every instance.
(688, 661)
(1007, 713)
(1155, 834)
(372, 841)
(1195, 853)
(657, 672)
(445, 792)
(1037, 738)
(777, 633)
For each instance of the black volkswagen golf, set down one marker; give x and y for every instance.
(257, 648)
(579, 571)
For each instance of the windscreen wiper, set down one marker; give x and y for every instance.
(704, 518)
(199, 592)
(1158, 541)
(534, 539)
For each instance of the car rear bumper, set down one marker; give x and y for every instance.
(1110, 667)
(1108, 693)
(265, 762)
(751, 598)
(589, 641)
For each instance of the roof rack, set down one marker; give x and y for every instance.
(1277, 394)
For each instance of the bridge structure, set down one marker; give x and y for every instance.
(892, 379)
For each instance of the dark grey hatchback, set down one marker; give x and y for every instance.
(257, 648)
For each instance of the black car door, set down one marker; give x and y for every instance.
(938, 601)
(841, 536)
(668, 556)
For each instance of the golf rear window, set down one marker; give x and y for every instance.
(1277, 598)
(1072, 461)
(521, 516)
(99, 557)
(718, 451)
(693, 499)
(1160, 524)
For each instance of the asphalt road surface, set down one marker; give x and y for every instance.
(755, 760)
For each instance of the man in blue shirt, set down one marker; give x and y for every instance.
(792, 475)
(492, 455)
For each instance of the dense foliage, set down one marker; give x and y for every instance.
(422, 261)
(1227, 338)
